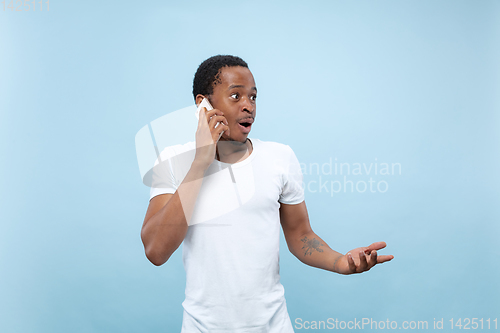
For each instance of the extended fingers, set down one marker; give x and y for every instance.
(366, 261)
(376, 246)
(384, 258)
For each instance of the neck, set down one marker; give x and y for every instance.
(233, 151)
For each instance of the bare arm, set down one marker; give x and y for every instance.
(312, 250)
(301, 239)
(168, 215)
(166, 221)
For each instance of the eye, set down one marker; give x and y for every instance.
(235, 95)
(253, 97)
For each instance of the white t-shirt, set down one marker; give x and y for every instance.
(231, 249)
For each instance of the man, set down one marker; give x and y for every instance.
(231, 257)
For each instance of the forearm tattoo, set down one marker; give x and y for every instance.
(310, 245)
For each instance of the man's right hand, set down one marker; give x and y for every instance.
(207, 135)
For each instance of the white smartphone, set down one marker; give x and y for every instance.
(205, 103)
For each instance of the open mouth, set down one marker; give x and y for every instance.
(245, 125)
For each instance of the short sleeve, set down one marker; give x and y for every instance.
(171, 168)
(293, 189)
(162, 176)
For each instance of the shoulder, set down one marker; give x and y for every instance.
(279, 155)
(273, 147)
(171, 151)
(180, 152)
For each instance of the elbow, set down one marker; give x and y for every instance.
(152, 259)
(156, 263)
(151, 252)
(156, 258)
(158, 252)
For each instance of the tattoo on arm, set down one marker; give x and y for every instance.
(310, 245)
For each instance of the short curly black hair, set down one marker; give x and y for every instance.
(207, 75)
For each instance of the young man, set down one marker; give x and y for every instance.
(226, 199)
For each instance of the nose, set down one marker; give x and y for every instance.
(248, 105)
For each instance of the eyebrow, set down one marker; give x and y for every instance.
(239, 86)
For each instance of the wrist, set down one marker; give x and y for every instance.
(336, 262)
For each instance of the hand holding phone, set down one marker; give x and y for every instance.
(208, 133)
(206, 104)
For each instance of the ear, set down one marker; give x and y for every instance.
(199, 98)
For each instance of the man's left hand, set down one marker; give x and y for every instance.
(361, 259)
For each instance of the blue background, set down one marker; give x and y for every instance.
(409, 82)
